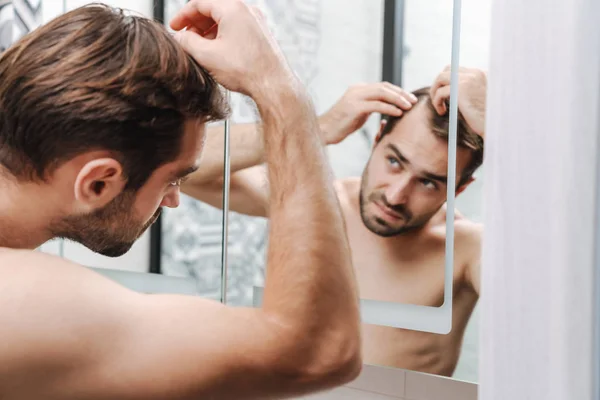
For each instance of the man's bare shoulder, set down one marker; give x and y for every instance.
(47, 282)
(464, 228)
(36, 265)
(467, 235)
(347, 188)
(468, 229)
(50, 305)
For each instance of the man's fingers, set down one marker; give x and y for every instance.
(439, 98)
(192, 42)
(443, 79)
(410, 97)
(382, 108)
(193, 14)
(210, 33)
(383, 93)
(407, 95)
(201, 14)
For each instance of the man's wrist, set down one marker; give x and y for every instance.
(325, 128)
(273, 86)
(278, 96)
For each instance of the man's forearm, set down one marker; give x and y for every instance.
(310, 280)
(246, 150)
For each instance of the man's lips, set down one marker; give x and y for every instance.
(387, 211)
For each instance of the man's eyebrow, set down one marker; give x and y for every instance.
(396, 150)
(440, 178)
(185, 172)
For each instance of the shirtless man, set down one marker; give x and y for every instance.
(102, 114)
(394, 213)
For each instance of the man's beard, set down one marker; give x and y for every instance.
(110, 231)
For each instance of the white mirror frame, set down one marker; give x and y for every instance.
(412, 316)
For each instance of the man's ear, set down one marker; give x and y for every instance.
(465, 185)
(98, 182)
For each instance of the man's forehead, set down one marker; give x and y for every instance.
(416, 119)
(414, 140)
(426, 151)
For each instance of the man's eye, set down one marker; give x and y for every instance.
(428, 184)
(393, 162)
(179, 181)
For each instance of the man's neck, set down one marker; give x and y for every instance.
(22, 216)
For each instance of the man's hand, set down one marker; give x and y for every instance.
(232, 41)
(472, 85)
(351, 112)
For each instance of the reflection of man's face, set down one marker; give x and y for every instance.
(404, 182)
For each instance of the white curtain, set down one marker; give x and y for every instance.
(540, 252)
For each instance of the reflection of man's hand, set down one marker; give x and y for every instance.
(472, 84)
(351, 112)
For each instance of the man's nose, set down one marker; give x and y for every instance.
(171, 200)
(398, 192)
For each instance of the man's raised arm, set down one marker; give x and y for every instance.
(310, 291)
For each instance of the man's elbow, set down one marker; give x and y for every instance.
(343, 367)
(333, 361)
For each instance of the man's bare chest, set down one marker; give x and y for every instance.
(413, 277)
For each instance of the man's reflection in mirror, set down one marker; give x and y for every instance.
(395, 212)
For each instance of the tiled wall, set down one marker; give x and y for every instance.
(378, 383)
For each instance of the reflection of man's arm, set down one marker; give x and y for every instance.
(249, 190)
(248, 185)
(476, 276)
(473, 272)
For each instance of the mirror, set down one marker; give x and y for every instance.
(418, 311)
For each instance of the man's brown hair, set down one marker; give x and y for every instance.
(97, 78)
(440, 125)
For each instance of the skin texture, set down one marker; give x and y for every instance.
(69, 333)
(394, 216)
